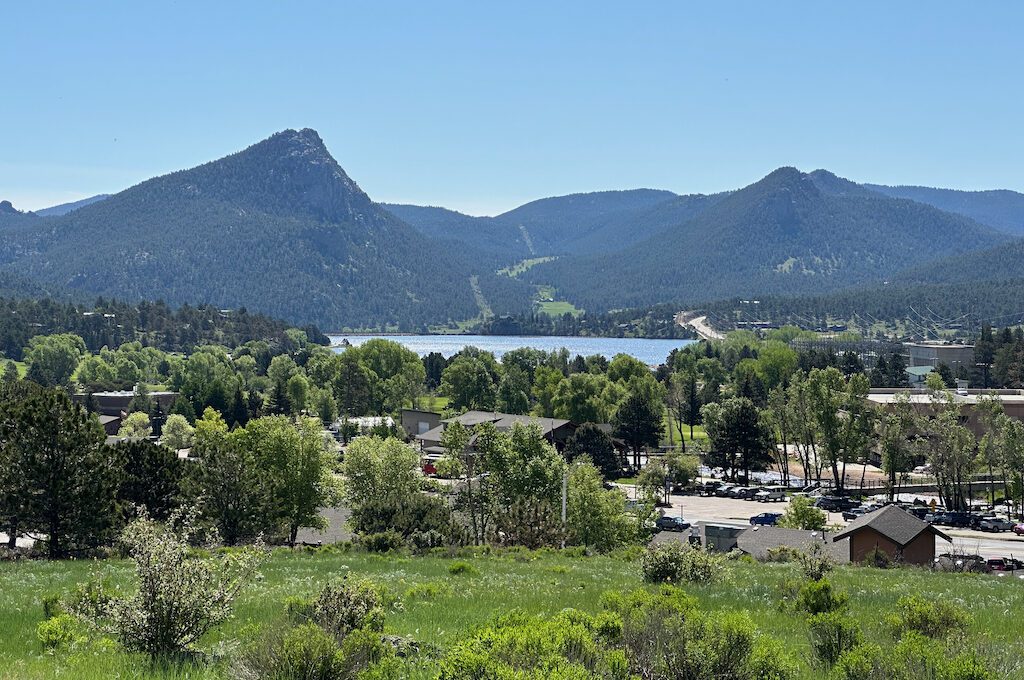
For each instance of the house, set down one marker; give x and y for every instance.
(555, 430)
(917, 376)
(893, 531)
(111, 424)
(759, 541)
(416, 422)
(116, 402)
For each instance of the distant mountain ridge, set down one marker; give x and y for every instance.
(65, 208)
(999, 208)
(279, 228)
(782, 234)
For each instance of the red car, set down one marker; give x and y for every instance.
(1018, 529)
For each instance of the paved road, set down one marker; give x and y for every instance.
(700, 325)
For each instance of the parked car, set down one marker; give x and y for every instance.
(954, 518)
(993, 523)
(835, 503)
(770, 495)
(918, 511)
(766, 519)
(853, 513)
(1018, 529)
(667, 523)
(709, 488)
(1005, 564)
(745, 492)
(724, 490)
(975, 564)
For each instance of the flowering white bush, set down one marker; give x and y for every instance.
(181, 596)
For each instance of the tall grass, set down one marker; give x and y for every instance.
(437, 607)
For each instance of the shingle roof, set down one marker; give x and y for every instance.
(757, 541)
(893, 522)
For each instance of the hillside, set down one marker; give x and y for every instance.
(278, 228)
(781, 235)
(555, 224)
(1005, 261)
(483, 233)
(65, 208)
(1001, 208)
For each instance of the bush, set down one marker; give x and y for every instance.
(461, 568)
(666, 637)
(180, 596)
(938, 619)
(832, 634)
(877, 558)
(57, 631)
(566, 646)
(801, 514)
(863, 662)
(306, 652)
(409, 516)
(675, 563)
(819, 597)
(341, 608)
(816, 563)
(383, 542)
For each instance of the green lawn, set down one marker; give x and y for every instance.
(558, 308)
(522, 266)
(537, 584)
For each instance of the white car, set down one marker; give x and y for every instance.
(770, 495)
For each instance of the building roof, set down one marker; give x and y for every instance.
(758, 540)
(921, 396)
(108, 419)
(893, 522)
(505, 421)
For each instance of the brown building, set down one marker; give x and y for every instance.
(893, 531)
(967, 399)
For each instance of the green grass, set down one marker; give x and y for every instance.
(558, 308)
(524, 265)
(438, 607)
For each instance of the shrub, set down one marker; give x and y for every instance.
(816, 563)
(461, 568)
(666, 637)
(782, 553)
(877, 558)
(832, 634)
(674, 563)
(933, 619)
(801, 514)
(565, 646)
(341, 608)
(382, 542)
(306, 652)
(819, 597)
(57, 631)
(863, 662)
(180, 596)
(412, 515)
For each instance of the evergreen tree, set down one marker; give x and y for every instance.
(239, 409)
(638, 423)
(183, 407)
(590, 440)
(151, 477)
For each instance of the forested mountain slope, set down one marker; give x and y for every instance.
(278, 228)
(782, 234)
(1000, 208)
(65, 208)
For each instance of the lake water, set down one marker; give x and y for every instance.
(649, 351)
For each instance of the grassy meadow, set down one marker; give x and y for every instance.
(435, 607)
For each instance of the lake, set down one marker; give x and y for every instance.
(649, 351)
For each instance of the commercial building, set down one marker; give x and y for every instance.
(935, 353)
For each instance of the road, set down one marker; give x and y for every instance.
(700, 325)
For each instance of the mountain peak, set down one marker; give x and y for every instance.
(6, 208)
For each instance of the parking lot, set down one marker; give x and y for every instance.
(738, 512)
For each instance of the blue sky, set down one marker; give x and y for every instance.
(482, 106)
